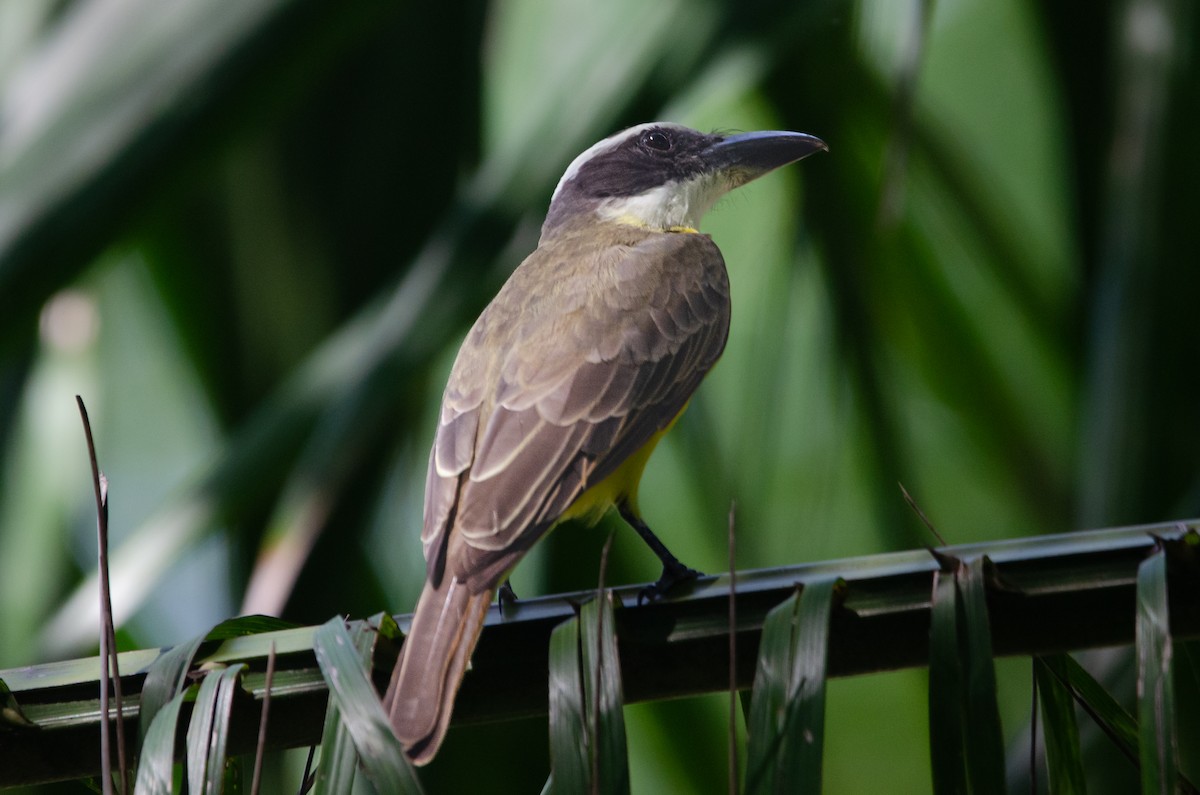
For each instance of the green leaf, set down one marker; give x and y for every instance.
(167, 675)
(208, 731)
(156, 766)
(383, 759)
(787, 709)
(247, 625)
(383, 625)
(769, 698)
(570, 757)
(1156, 692)
(588, 749)
(984, 740)
(200, 731)
(1187, 705)
(1110, 716)
(966, 743)
(11, 716)
(1064, 762)
(602, 690)
(946, 740)
(232, 781)
(166, 678)
(339, 759)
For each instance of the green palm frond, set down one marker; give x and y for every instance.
(891, 611)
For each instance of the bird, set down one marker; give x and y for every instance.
(568, 379)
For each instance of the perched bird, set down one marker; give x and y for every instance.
(567, 381)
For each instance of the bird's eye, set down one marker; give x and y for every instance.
(656, 140)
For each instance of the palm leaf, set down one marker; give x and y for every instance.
(587, 727)
(1063, 758)
(362, 714)
(786, 726)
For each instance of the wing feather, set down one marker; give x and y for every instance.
(585, 368)
(524, 487)
(454, 445)
(506, 438)
(576, 397)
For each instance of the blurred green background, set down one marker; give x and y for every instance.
(251, 235)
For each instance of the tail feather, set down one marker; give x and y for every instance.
(420, 697)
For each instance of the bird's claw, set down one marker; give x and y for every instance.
(672, 577)
(505, 596)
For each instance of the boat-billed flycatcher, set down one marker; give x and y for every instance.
(567, 381)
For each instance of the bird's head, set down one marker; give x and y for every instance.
(666, 176)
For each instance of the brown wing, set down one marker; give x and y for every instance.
(581, 358)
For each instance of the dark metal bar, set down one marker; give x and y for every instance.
(1046, 594)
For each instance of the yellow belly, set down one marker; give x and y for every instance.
(621, 483)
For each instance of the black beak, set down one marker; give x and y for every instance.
(750, 155)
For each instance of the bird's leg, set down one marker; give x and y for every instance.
(673, 572)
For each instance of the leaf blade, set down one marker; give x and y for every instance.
(338, 767)
(228, 686)
(569, 751)
(1157, 742)
(1064, 762)
(787, 723)
(985, 740)
(199, 733)
(946, 741)
(165, 679)
(769, 694)
(383, 760)
(156, 765)
(602, 690)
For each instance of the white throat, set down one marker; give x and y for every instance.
(674, 205)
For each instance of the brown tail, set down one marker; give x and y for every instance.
(434, 657)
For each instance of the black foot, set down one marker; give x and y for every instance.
(672, 577)
(506, 596)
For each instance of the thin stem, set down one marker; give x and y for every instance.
(733, 689)
(108, 635)
(262, 723)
